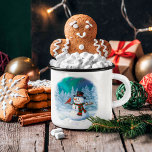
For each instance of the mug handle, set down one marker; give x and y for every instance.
(127, 94)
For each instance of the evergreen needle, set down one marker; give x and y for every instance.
(129, 126)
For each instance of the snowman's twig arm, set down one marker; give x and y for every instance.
(70, 103)
(90, 103)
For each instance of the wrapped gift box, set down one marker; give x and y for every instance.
(123, 56)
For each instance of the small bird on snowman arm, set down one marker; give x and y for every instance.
(79, 103)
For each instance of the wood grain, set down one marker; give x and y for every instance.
(37, 138)
(54, 145)
(15, 138)
(82, 141)
(77, 141)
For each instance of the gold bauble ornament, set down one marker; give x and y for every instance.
(143, 66)
(23, 65)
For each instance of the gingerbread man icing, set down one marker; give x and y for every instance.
(80, 32)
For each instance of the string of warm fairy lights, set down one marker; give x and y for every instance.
(124, 14)
(65, 6)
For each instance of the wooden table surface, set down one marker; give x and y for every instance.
(37, 138)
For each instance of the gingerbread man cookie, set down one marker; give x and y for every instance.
(13, 94)
(80, 32)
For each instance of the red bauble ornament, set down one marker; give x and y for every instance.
(4, 59)
(146, 82)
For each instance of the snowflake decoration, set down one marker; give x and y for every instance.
(11, 92)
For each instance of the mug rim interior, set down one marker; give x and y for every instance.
(82, 70)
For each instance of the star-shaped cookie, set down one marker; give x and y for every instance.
(13, 94)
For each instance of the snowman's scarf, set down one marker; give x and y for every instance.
(81, 108)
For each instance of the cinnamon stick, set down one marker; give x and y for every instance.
(34, 118)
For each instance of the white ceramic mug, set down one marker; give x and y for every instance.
(78, 94)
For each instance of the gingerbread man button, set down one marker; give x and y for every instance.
(80, 32)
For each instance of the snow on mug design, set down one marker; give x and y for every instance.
(67, 84)
(76, 98)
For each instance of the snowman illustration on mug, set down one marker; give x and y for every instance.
(79, 104)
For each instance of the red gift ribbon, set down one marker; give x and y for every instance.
(121, 52)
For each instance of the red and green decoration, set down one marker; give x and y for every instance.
(129, 126)
(146, 82)
(138, 96)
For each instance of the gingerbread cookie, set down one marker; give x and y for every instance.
(39, 86)
(38, 105)
(47, 90)
(49, 103)
(13, 94)
(49, 96)
(32, 90)
(80, 32)
(38, 97)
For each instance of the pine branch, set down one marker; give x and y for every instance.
(101, 125)
(134, 130)
(149, 122)
(129, 126)
(130, 118)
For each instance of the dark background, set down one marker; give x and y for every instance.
(15, 27)
(22, 20)
(107, 14)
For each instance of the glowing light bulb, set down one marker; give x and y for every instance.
(50, 10)
(150, 28)
(55, 7)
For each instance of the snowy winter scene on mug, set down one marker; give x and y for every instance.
(76, 98)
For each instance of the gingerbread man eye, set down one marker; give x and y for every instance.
(87, 26)
(75, 26)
